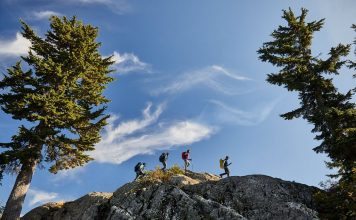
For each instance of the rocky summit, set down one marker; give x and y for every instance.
(190, 196)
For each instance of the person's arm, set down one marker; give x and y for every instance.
(229, 164)
(188, 157)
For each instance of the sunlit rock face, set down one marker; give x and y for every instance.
(191, 196)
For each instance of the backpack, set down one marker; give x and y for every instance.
(162, 157)
(184, 155)
(221, 163)
(137, 167)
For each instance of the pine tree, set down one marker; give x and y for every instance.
(59, 97)
(332, 113)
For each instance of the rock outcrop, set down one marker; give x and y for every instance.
(191, 196)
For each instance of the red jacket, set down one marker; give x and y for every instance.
(185, 156)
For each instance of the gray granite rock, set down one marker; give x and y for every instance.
(87, 207)
(194, 196)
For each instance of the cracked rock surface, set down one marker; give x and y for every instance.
(194, 196)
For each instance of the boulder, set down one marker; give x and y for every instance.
(193, 196)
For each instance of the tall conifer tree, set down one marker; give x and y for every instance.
(60, 96)
(332, 113)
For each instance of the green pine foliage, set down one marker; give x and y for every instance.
(59, 94)
(353, 64)
(332, 113)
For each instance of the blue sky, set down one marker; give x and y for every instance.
(188, 76)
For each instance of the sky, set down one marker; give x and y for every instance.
(187, 77)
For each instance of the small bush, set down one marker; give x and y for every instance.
(175, 170)
(158, 176)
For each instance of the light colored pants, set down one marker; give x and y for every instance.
(186, 164)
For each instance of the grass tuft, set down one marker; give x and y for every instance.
(159, 176)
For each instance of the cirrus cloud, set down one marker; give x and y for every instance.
(215, 77)
(38, 197)
(229, 114)
(117, 6)
(128, 63)
(134, 137)
(39, 15)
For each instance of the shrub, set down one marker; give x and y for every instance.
(159, 176)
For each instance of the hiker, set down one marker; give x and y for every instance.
(185, 157)
(224, 164)
(139, 169)
(163, 159)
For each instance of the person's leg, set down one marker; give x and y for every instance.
(137, 175)
(221, 175)
(142, 174)
(164, 165)
(227, 171)
(185, 165)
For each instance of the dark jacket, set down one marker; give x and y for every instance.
(226, 164)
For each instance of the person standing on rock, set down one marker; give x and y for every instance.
(163, 159)
(226, 165)
(139, 168)
(186, 159)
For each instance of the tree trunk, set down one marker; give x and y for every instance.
(14, 203)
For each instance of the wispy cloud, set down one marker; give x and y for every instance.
(228, 114)
(215, 77)
(117, 6)
(129, 63)
(15, 47)
(128, 139)
(129, 127)
(39, 15)
(38, 197)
